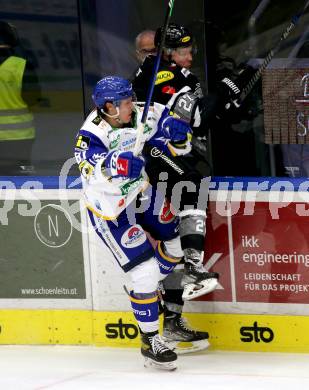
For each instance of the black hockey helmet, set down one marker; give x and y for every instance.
(176, 36)
(8, 34)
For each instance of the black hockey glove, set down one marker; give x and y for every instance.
(229, 92)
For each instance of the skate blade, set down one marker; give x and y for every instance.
(166, 366)
(183, 347)
(192, 291)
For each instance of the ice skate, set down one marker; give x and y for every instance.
(179, 337)
(197, 281)
(156, 353)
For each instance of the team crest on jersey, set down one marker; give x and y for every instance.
(164, 75)
(83, 142)
(167, 213)
(133, 237)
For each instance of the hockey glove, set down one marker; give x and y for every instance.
(177, 130)
(230, 89)
(229, 92)
(123, 164)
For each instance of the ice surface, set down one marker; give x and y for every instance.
(69, 367)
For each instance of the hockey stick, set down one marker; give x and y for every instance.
(140, 129)
(198, 145)
(270, 56)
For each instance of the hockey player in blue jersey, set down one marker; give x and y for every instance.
(116, 187)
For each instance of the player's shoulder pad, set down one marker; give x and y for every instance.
(96, 126)
(93, 121)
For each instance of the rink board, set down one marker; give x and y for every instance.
(60, 284)
(264, 333)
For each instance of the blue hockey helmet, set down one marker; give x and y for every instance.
(111, 89)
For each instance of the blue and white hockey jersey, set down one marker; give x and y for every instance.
(108, 196)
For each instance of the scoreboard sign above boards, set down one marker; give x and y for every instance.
(286, 101)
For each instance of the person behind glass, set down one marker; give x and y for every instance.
(175, 76)
(176, 59)
(144, 45)
(17, 130)
(175, 83)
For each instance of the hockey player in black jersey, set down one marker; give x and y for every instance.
(174, 71)
(172, 77)
(178, 87)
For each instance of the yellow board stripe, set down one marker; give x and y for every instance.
(233, 332)
(165, 257)
(46, 327)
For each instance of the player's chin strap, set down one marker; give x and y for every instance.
(115, 116)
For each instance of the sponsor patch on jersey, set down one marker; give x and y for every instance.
(121, 202)
(97, 120)
(96, 157)
(186, 39)
(185, 72)
(132, 185)
(167, 213)
(128, 142)
(83, 142)
(114, 142)
(164, 75)
(168, 90)
(133, 237)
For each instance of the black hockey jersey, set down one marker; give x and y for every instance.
(171, 78)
